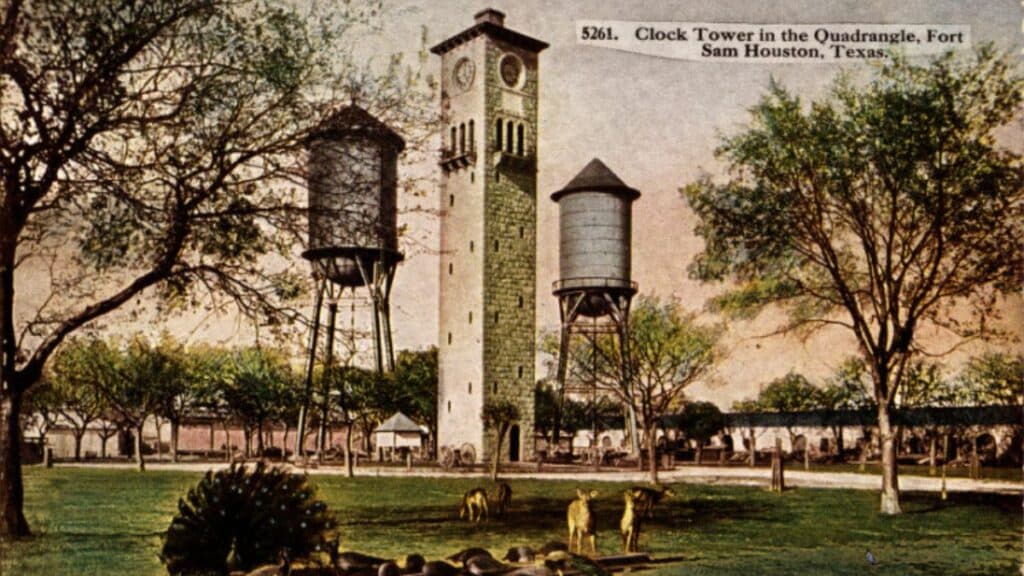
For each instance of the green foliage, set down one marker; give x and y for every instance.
(701, 420)
(249, 514)
(789, 393)
(994, 378)
(890, 202)
(499, 413)
(847, 388)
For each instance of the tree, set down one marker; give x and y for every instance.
(701, 421)
(260, 382)
(880, 209)
(789, 394)
(147, 148)
(994, 378)
(845, 390)
(415, 379)
(668, 351)
(498, 416)
(80, 403)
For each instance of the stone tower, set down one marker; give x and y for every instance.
(489, 79)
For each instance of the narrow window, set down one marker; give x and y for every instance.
(451, 200)
(519, 371)
(454, 139)
(470, 317)
(495, 317)
(497, 134)
(451, 268)
(449, 337)
(496, 245)
(470, 245)
(497, 177)
(472, 177)
(519, 138)
(449, 406)
(522, 232)
(494, 387)
(471, 138)
(470, 387)
(509, 137)
(520, 301)
(462, 138)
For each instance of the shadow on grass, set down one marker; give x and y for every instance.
(927, 502)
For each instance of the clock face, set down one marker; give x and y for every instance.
(463, 73)
(511, 68)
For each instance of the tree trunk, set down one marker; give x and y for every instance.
(78, 444)
(652, 454)
(103, 447)
(753, 448)
(348, 452)
(175, 430)
(247, 438)
(259, 439)
(159, 438)
(890, 502)
(229, 454)
(700, 453)
(284, 443)
(497, 453)
(140, 460)
(12, 492)
(933, 444)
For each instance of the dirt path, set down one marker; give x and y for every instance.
(691, 474)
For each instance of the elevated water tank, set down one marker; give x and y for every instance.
(595, 225)
(353, 180)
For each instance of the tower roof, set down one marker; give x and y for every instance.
(492, 23)
(596, 176)
(353, 120)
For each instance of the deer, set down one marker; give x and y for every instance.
(474, 503)
(645, 498)
(581, 520)
(630, 523)
(503, 497)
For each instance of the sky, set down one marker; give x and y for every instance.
(654, 121)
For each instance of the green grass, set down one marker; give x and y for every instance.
(95, 521)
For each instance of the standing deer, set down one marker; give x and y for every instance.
(645, 498)
(581, 520)
(630, 524)
(474, 503)
(503, 498)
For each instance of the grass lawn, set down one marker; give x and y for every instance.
(97, 521)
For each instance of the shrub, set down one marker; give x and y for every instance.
(247, 514)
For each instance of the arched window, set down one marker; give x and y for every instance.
(520, 139)
(454, 139)
(497, 134)
(462, 138)
(471, 137)
(509, 137)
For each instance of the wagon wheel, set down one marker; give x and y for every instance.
(447, 457)
(468, 453)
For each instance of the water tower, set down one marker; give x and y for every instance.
(595, 288)
(353, 241)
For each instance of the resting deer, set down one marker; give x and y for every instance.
(503, 498)
(474, 503)
(581, 520)
(645, 498)
(630, 524)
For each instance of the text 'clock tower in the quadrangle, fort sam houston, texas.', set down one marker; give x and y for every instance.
(489, 81)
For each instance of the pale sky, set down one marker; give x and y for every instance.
(655, 122)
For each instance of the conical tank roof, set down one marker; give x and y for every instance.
(598, 177)
(354, 120)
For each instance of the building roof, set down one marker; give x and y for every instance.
(353, 120)
(597, 177)
(398, 422)
(492, 23)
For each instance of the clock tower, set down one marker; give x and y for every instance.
(489, 79)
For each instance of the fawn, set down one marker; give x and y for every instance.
(581, 520)
(474, 503)
(630, 524)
